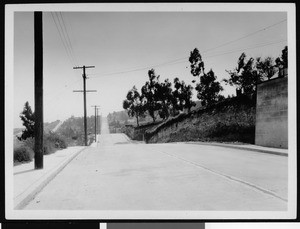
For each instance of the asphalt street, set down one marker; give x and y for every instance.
(122, 175)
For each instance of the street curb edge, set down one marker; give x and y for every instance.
(23, 200)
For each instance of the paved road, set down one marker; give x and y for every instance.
(121, 175)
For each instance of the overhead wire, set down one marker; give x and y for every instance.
(61, 38)
(60, 92)
(61, 27)
(64, 33)
(185, 58)
(65, 42)
(247, 35)
(248, 48)
(68, 38)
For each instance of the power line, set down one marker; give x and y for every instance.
(248, 35)
(68, 37)
(63, 38)
(65, 35)
(72, 34)
(59, 93)
(185, 59)
(251, 47)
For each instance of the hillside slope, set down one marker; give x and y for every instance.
(227, 121)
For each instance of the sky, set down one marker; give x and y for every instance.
(123, 46)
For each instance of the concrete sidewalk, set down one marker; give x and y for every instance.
(249, 147)
(28, 181)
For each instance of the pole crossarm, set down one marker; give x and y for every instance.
(85, 91)
(83, 67)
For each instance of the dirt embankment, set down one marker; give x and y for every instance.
(227, 121)
(137, 133)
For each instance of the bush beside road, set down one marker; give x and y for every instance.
(24, 150)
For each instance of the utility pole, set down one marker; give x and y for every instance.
(84, 98)
(38, 90)
(95, 121)
(98, 120)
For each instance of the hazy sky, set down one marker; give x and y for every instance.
(130, 43)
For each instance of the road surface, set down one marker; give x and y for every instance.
(121, 175)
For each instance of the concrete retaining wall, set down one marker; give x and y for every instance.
(271, 114)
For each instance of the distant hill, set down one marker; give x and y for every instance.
(73, 129)
(120, 116)
(118, 119)
(123, 118)
(48, 126)
(18, 130)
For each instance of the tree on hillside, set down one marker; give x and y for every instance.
(164, 98)
(149, 95)
(283, 60)
(27, 117)
(133, 104)
(208, 89)
(245, 76)
(182, 96)
(197, 64)
(265, 67)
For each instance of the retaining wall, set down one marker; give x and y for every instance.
(272, 113)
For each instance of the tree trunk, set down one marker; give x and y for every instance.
(137, 120)
(153, 117)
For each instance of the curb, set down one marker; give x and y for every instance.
(21, 201)
(241, 147)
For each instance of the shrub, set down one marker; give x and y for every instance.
(49, 147)
(58, 141)
(23, 153)
(53, 142)
(29, 142)
(24, 150)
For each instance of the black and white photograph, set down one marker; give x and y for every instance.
(150, 111)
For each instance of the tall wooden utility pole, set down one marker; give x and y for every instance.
(84, 98)
(38, 90)
(95, 121)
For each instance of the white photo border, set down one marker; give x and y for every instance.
(289, 8)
